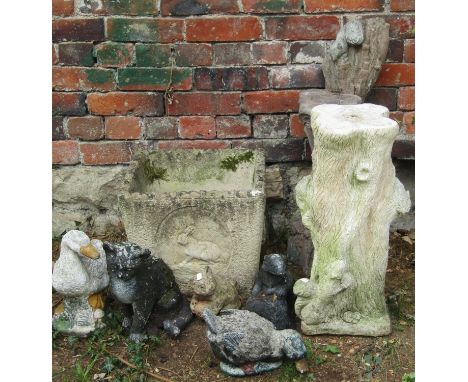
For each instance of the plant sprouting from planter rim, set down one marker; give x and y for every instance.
(232, 161)
(151, 171)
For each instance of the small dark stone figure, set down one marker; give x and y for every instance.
(147, 289)
(248, 344)
(271, 296)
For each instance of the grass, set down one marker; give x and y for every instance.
(288, 370)
(288, 373)
(408, 377)
(96, 359)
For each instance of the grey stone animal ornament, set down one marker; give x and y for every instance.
(352, 62)
(147, 290)
(79, 274)
(272, 293)
(248, 344)
(213, 292)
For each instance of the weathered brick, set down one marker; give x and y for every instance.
(409, 122)
(316, 6)
(114, 54)
(395, 51)
(140, 146)
(401, 5)
(324, 27)
(58, 131)
(276, 150)
(65, 152)
(154, 78)
(117, 7)
(87, 79)
(245, 28)
(88, 128)
(269, 101)
(247, 78)
(101, 153)
(197, 127)
(307, 52)
(193, 54)
(157, 55)
(123, 127)
(272, 6)
(409, 51)
(205, 104)
(194, 144)
(120, 103)
(68, 103)
(308, 150)
(396, 75)
(145, 29)
(406, 98)
(160, 127)
(401, 26)
(297, 76)
(62, 7)
(296, 127)
(270, 126)
(383, 96)
(54, 54)
(398, 117)
(403, 149)
(233, 126)
(232, 54)
(274, 52)
(78, 30)
(199, 7)
(76, 53)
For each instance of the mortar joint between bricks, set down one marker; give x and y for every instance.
(158, 7)
(65, 126)
(80, 154)
(262, 23)
(142, 129)
(241, 6)
(386, 7)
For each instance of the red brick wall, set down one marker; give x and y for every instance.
(235, 69)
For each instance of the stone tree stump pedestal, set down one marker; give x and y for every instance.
(311, 98)
(348, 203)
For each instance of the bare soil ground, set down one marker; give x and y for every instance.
(104, 356)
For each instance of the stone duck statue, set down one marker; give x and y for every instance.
(213, 292)
(248, 344)
(79, 274)
(271, 296)
(147, 290)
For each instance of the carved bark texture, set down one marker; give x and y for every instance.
(348, 203)
(351, 68)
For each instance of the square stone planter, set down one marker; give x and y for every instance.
(198, 213)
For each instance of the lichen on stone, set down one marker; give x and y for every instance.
(232, 161)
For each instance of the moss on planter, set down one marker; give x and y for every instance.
(232, 161)
(153, 172)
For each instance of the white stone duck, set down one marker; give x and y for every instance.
(248, 344)
(79, 274)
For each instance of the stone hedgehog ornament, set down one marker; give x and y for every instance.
(147, 290)
(248, 344)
